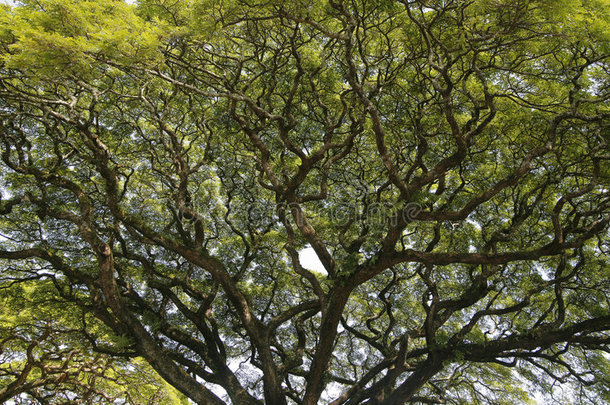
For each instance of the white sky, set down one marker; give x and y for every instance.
(309, 260)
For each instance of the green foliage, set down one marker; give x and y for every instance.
(164, 163)
(40, 329)
(54, 38)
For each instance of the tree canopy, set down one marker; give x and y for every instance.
(164, 165)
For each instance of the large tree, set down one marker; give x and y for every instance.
(164, 166)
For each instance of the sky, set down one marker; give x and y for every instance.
(309, 260)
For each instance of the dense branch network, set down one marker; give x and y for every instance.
(447, 162)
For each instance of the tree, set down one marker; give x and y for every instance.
(164, 165)
(46, 354)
